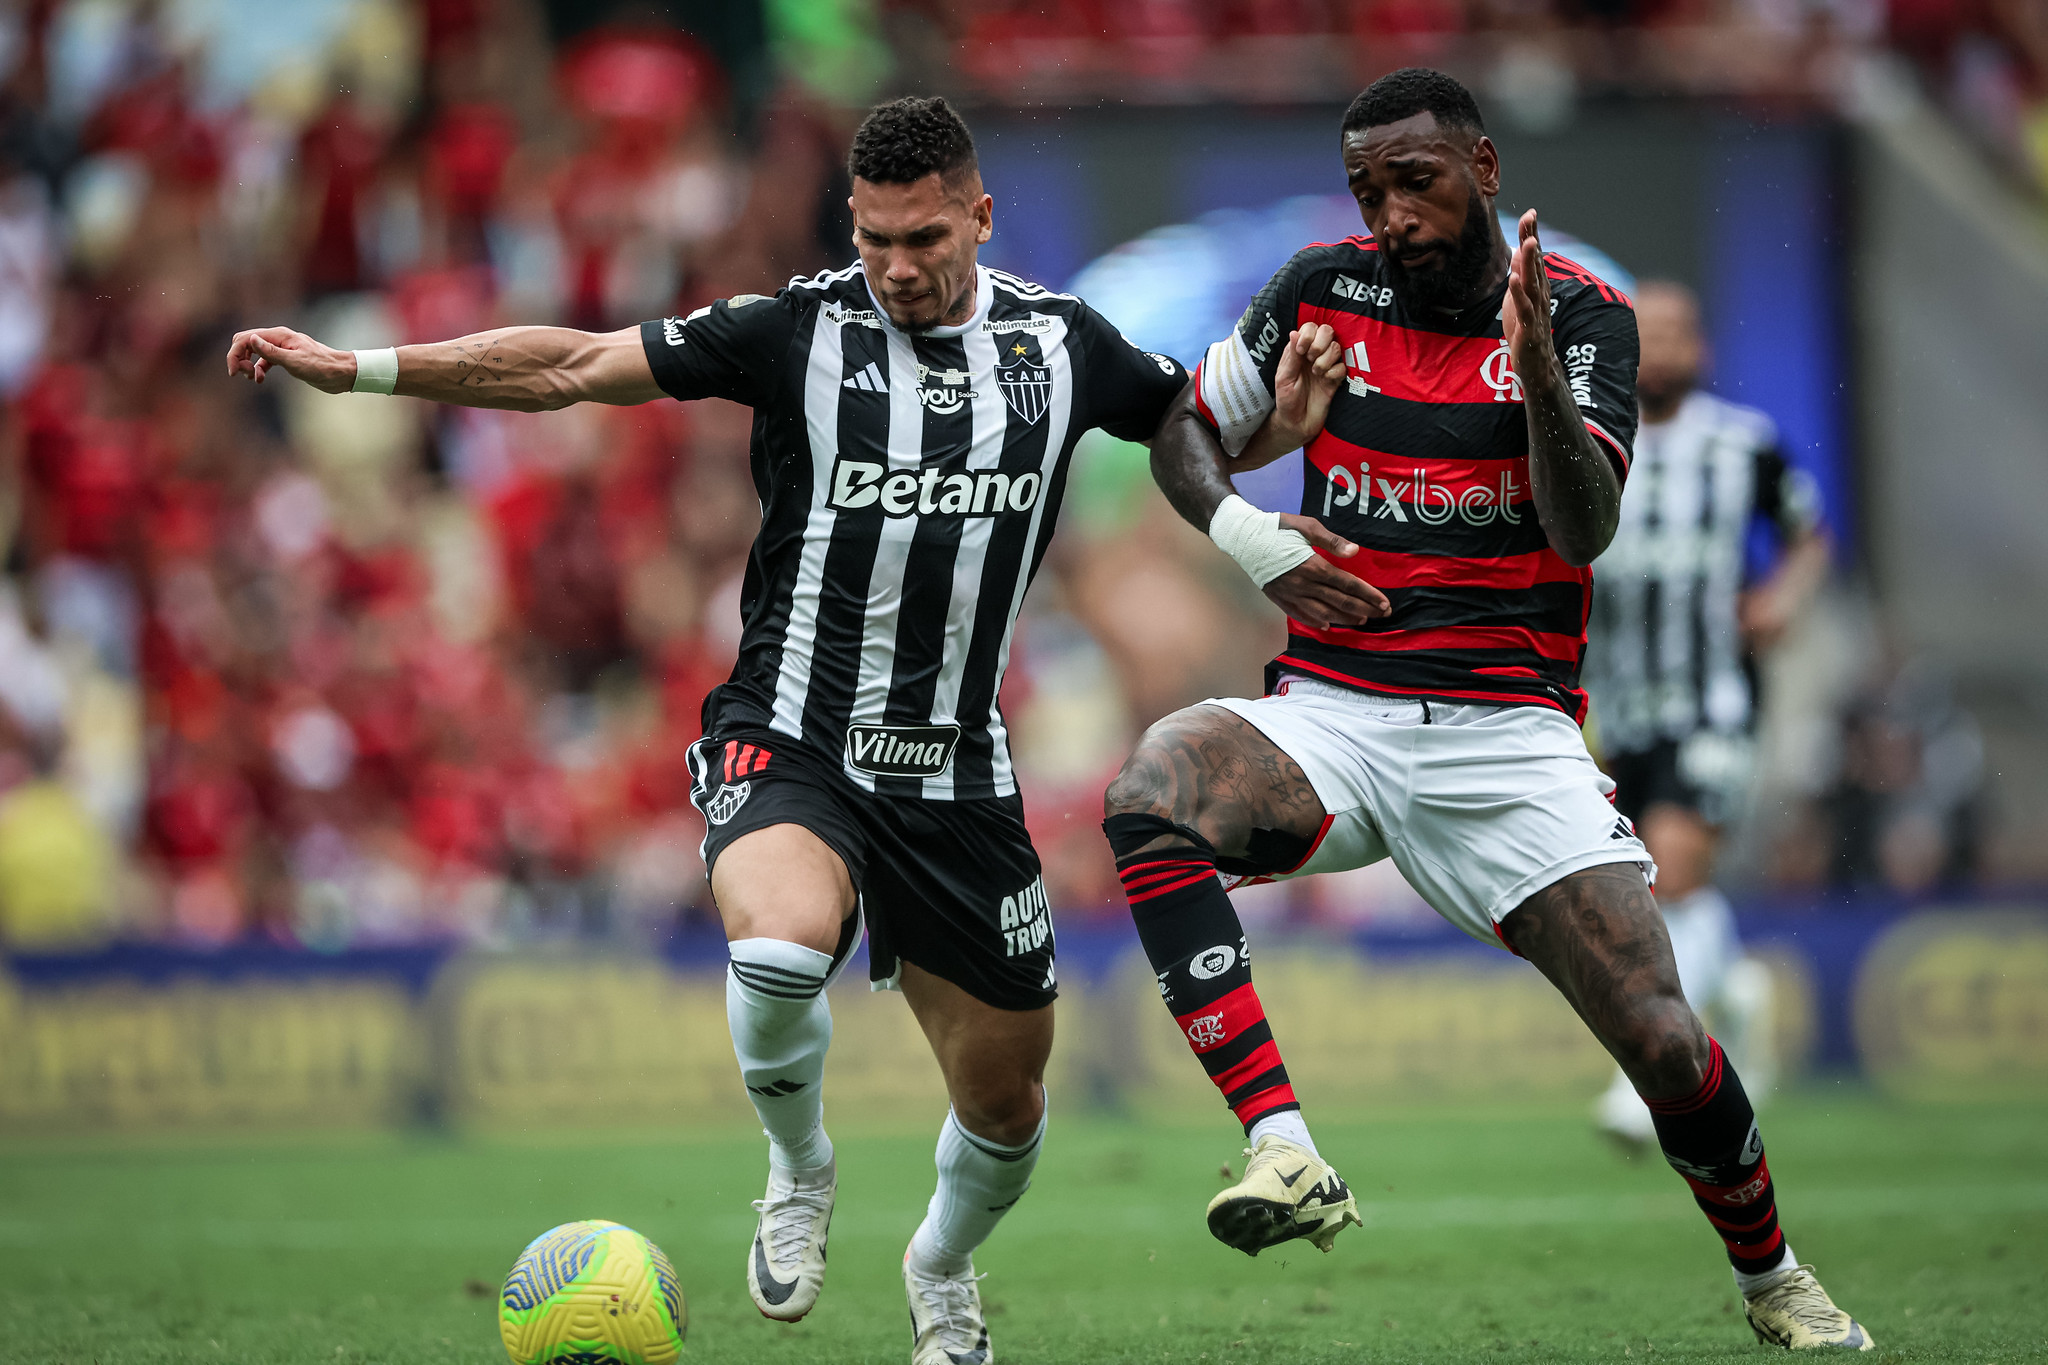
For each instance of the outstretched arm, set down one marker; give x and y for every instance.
(526, 369)
(1577, 493)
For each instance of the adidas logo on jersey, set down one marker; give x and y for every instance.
(1356, 366)
(869, 380)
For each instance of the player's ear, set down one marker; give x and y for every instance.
(1486, 167)
(984, 218)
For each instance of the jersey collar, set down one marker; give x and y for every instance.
(983, 291)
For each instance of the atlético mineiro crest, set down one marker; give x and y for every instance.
(726, 801)
(1026, 383)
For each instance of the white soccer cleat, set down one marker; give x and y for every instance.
(946, 1324)
(1287, 1192)
(786, 1264)
(1621, 1116)
(1793, 1311)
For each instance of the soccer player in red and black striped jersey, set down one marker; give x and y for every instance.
(1464, 467)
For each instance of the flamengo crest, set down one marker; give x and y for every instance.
(1026, 384)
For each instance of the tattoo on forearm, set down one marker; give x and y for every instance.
(478, 363)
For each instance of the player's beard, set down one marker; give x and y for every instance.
(1454, 283)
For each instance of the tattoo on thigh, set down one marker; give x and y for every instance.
(1599, 937)
(1209, 770)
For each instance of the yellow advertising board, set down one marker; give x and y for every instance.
(1954, 1005)
(208, 1054)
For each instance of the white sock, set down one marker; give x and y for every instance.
(978, 1182)
(1284, 1123)
(1750, 1284)
(781, 1026)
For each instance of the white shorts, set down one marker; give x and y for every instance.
(1480, 807)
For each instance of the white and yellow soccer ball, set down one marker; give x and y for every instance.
(592, 1293)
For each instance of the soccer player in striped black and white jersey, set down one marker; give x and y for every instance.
(914, 418)
(1677, 615)
(1426, 707)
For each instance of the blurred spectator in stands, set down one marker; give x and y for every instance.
(1906, 809)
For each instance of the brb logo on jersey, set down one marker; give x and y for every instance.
(981, 493)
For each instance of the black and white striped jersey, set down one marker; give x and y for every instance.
(909, 485)
(1665, 657)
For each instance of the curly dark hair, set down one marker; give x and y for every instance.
(903, 141)
(1410, 91)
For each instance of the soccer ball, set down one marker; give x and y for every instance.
(592, 1293)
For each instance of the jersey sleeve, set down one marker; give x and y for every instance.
(1129, 390)
(1235, 379)
(1786, 498)
(733, 348)
(1595, 337)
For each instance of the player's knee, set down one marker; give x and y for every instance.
(1140, 786)
(1003, 1109)
(1663, 1047)
(1161, 777)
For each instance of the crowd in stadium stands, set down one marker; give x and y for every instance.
(340, 671)
(1532, 59)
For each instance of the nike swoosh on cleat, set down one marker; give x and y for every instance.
(1288, 1180)
(772, 1289)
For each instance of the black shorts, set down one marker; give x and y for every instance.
(1706, 773)
(952, 886)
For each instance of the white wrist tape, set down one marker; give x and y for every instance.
(377, 371)
(1256, 541)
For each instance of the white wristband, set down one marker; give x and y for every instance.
(1256, 540)
(377, 371)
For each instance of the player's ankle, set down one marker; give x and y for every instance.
(1286, 1124)
(1754, 1283)
(933, 1261)
(810, 1155)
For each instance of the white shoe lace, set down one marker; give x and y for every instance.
(1800, 1297)
(788, 1217)
(950, 1304)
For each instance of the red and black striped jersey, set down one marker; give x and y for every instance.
(1424, 464)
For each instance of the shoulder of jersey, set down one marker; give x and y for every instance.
(1754, 423)
(823, 285)
(1027, 291)
(1569, 280)
(1357, 254)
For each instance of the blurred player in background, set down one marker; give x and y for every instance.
(915, 414)
(1676, 618)
(1459, 484)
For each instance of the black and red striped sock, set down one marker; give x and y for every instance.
(1196, 945)
(1710, 1137)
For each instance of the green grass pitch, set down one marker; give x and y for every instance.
(1497, 1234)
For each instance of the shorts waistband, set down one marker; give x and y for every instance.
(1421, 710)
